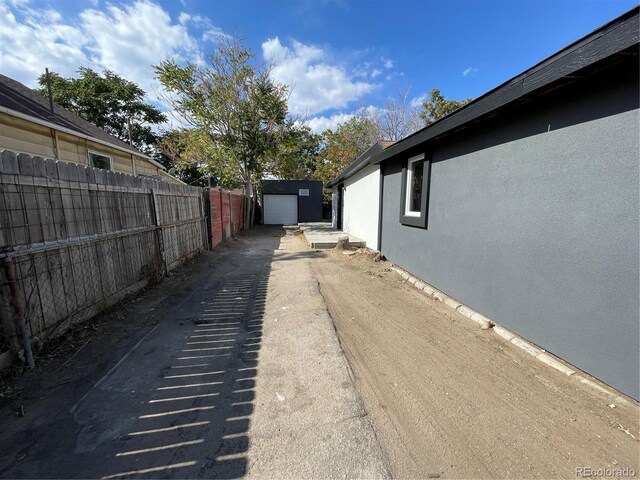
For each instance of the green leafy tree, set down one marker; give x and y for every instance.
(344, 144)
(234, 105)
(438, 107)
(193, 174)
(298, 151)
(109, 101)
(185, 152)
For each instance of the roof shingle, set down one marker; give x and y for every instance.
(18, 97)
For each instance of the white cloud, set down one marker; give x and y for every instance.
(315, 85)
(130, 39)
(213, 34)
(321, 123)
(38, 40)
(126, 39)
(469, 71)
(417, 102)
(210, 31)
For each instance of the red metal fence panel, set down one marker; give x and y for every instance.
(226, 213)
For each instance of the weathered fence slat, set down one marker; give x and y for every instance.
(83, 238)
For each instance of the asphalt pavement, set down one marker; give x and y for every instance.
(242, 376)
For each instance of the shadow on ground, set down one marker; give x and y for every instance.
(180, 403)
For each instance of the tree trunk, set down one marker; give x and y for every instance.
(247, 212)
(254, 203)
(343, 243)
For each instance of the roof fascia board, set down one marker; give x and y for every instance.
(69, 131)
(347, 175)
(585, 53)
(614, 37)
(352, 169)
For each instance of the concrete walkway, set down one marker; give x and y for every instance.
(323, 235)
(243, 376)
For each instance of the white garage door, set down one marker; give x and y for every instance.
(280, 209)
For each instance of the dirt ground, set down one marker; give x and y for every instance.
(449, 400)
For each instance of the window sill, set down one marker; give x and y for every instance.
(414, 220)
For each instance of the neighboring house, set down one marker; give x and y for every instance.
(356, 197)
(523, 204)
(286, 202)
(27, 125)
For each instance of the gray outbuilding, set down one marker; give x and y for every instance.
(523, 204)
(287, 202)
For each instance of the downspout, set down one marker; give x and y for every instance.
(133, 165)
(10, 271)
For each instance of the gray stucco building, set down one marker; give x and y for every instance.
(523, 204)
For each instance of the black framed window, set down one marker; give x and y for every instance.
(415, 191)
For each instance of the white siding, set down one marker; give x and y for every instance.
(23, 136)
(361, 204)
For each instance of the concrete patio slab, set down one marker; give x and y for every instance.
(323, 235)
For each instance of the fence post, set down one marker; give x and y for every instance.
(222, 239)
(10, 272)
(205, 208)
(230, 213)
(244, 210)
(160, 234)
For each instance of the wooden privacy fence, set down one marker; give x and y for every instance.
(75, 240)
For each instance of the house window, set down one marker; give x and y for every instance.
(99, 160)
(415, 192)
(415, 175)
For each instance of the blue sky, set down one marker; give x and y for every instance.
(336, 56)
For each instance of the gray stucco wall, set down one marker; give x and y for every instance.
(309, 208)
(533, 221)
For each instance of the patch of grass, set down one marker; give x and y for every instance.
(373, 274)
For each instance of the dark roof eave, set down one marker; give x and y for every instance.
(364, 160)
(615, 36)
(341, 178)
